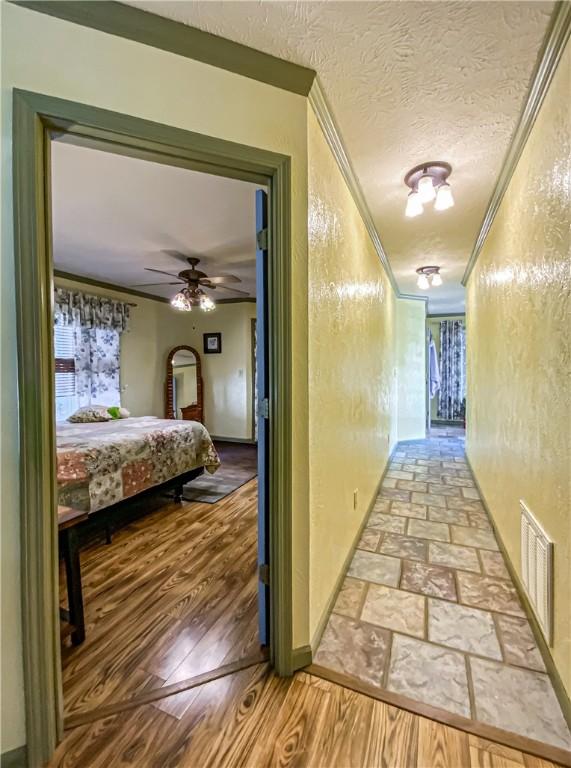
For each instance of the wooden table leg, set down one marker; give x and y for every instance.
(70, 546)
(178, 492)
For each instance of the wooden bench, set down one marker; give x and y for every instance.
(68, 520)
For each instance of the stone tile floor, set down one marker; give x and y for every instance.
(428, 609)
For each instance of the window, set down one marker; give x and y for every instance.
(65, 380)
(87, 363)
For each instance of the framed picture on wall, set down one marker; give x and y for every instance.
(212, 343)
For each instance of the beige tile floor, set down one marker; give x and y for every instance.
(428, 609)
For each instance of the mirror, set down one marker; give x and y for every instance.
(184, 385)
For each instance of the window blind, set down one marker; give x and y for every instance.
(64, 351)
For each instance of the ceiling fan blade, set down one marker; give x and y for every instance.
(148, 285)
(222, 279)
(232, 290)
(160, 271)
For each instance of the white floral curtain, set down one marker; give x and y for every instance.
(452, 396)
(97, 323)
(81, 309)
(97, 366)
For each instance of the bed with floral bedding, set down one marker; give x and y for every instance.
(100, 464)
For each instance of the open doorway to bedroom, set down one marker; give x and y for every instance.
(159, 331)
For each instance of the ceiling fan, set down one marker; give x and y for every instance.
(194, 280)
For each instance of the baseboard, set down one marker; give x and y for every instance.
(301, 657)
(552, 671)
(316, 639)
(489, 732)
(15, 758)
(245, 440)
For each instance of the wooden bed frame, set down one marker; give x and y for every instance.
(76, 527)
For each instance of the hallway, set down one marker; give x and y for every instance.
(428, 610)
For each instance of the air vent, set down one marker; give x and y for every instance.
(537, 569)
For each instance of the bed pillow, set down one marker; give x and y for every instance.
(116, 412)
(90, 413)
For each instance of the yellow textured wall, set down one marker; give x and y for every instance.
(411, 369)
(55, 57)
(518, 347)
(156, 328)
(351, 370)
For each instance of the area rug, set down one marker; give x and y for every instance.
(238, 466)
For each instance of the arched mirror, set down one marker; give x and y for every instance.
(184, 385)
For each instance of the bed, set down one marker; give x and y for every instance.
(105, 468)
(103, 463)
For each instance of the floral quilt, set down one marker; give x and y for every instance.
(102, 463)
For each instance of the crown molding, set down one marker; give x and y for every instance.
(412, 297)
(554, 43)
(173, 36)
(94, 283)
(106, 286)
(333, 137)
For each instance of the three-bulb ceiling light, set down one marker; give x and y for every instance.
(428, 182)
(190, 297)
(428, 272)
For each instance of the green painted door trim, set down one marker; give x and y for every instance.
(181, 39)
(37, 119)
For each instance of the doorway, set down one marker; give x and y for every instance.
(37, 120)
(155, 288)
(446, 371)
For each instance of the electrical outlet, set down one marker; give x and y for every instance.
(355, 498)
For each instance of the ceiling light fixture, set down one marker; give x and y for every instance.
(444, 198)
(413, 205)
(206, 303)
(428, 182)
(428, 272)
(181, 303)
(194, 280)
(426, 190)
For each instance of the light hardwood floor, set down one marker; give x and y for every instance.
(173, 596)
(254, 719)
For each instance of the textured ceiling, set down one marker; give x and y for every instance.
(407, 82)
(115, 215)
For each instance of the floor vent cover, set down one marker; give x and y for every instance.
(537, 569)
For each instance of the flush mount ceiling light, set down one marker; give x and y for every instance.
(428, 272)
(428, 182)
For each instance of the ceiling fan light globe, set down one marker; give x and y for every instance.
(413, 205)
(444, 197)
(181, 303)
(426, 191)
(206, 303)
(436, 280)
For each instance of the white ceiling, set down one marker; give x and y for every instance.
(115, 215)
(407, 82)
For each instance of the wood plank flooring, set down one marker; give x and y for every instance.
(254, 719)
(173, 596)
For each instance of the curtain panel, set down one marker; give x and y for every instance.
(97, 323)
(97, 366)
(451, 403)
(97, 312)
